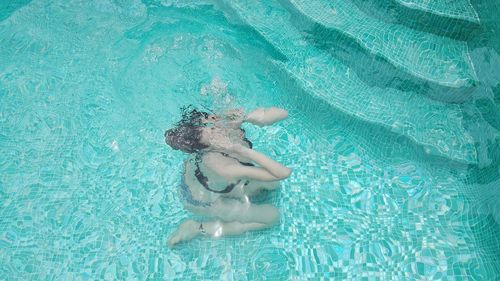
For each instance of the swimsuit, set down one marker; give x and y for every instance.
(203, 180)
(188, 196)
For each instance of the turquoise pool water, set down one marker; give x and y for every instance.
(393, 137)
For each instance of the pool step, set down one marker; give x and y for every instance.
(435, 126)
(457, 9)
(433, 58)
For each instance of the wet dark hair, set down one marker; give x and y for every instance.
(186, 135)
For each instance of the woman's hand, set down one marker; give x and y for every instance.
(266, 116)
(234, 114)
(233, 118)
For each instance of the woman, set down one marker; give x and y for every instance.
(223, 171)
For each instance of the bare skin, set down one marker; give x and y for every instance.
(222, 163)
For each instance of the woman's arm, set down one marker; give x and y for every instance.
(260, 116)
(273, 167)
(270, 170)
(234, 170)
(238, 171)
(266, 116)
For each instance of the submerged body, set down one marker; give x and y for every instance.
(219, 180)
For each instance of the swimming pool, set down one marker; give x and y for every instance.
(393, 137)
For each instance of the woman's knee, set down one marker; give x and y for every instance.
(226, 210)
(244, 212)
(269, 214)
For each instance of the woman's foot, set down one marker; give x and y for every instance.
(186, 231)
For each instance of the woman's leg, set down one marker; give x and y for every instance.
(185, 232)
(190, 229)
(235, 210)
(219, 228)
(236, 218)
